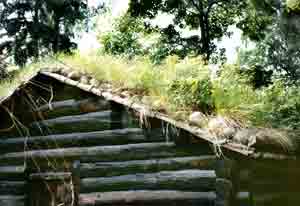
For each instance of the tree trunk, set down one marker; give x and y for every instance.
(207, 37)
(56, 32)
(35, 37)
(205, 41)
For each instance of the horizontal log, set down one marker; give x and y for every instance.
(72, 107)
(12, 187)
(96, 121)
(50, 176)
(106, 169)
(77, 118)
(188, 180)
(9, 200)
(104, 153)
(12, 172)
(58, 105)
(107, 137)
(148, 197)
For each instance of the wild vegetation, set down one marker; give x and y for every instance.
(172, 73)
(178, 87)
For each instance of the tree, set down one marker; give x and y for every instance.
(35, 27)
(278, 53)
(294, 5)
(124, 38)
(211, 17)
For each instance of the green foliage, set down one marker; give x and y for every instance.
(274, 106)
(17, 77)
(124, 38)
(212, 18)
(254, 23)
(194, 93)
(280, 107)
(293, 5)
(232, 94)
(270, 7)
(277, 53)
(35, 27)
(117, 43)
(184, 85)
(277, 56)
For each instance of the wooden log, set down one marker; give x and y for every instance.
(185, 180)
(50, 176)
(77, 118)
(72, 107)
(58, 105)
(104, 153)
(107, 169)
(148, 197)
(12, 172)
(96, 121)
(9, 200)
(107, 137)
(12, 187)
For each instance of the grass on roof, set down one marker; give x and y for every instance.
(178, 87)
(181, 86)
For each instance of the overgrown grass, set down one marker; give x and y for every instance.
(185, 85)
(179, 87)
(140, 75)
(274, 106)
(17, 78)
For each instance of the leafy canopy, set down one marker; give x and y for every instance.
(35, 27)
(211, 17)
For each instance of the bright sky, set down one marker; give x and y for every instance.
(89, 40)
(118, 6)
